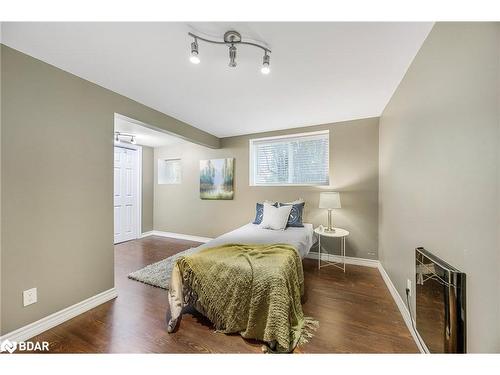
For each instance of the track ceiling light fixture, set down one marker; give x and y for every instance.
(231, 39)
(119, 136)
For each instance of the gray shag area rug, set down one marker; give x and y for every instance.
(158, 274)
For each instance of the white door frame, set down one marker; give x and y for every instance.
(138, 229)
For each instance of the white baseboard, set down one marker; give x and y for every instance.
(179, 236)
(402, 309)
(373, 263)
(44, 324)
(146, 234)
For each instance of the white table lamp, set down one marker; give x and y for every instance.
(329, 200)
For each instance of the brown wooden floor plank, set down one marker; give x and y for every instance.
(356, 313)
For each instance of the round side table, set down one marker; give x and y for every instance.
(338, 233)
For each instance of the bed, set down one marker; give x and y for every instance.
(272, 261)
(301, 239)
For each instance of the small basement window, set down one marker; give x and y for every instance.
(296, 159)
(169, 171)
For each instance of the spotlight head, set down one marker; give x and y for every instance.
(194, 53)
(132, 140)
(194, 59)
(265, 64)
(117, 137)
(232, 56)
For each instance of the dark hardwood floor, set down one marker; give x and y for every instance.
(355, 310)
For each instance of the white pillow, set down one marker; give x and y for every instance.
(270, 202)
(275, 217)
(298, 201)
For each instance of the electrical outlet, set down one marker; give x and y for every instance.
(29, 296)
(408, 285)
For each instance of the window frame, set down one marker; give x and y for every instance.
(165, 162)
(251, 157)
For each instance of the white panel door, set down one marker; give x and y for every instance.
(125, 194)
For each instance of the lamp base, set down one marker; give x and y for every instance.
(329, 228)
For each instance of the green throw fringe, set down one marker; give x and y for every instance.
(310, 326)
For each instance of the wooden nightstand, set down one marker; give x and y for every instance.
(339, 233)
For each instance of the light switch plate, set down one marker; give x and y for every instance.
(29, 296)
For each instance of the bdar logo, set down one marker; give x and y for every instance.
(8, 346)
(24, 346)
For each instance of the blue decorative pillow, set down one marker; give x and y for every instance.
(295, 218)
(259, 212)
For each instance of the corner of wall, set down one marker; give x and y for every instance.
(439, 144)
(147, 189)
(498, 172)
(353, 152)
(1, 48)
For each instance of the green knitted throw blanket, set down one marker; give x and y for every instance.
(253, 290)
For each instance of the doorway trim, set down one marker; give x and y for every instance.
(129, 146)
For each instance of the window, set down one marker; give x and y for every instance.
(169, 171)
(298, 159)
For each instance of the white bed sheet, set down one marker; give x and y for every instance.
(301, 239)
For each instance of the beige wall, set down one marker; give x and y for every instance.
(353, 172)
(498, 211)
(439, 167)
(147, 188)
(1, 119)
(57, 184)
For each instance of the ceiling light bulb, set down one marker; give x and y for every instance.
(132, 140)
(194, 59)
(194, 53)
(265, 64)
(232, 56)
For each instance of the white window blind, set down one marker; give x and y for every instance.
(300, 159)
(169, 171)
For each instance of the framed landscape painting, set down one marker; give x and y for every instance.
(216, 178)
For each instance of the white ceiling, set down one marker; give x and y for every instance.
(145, 136)
(320, 72)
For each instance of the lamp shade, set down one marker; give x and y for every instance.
(330, 199)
